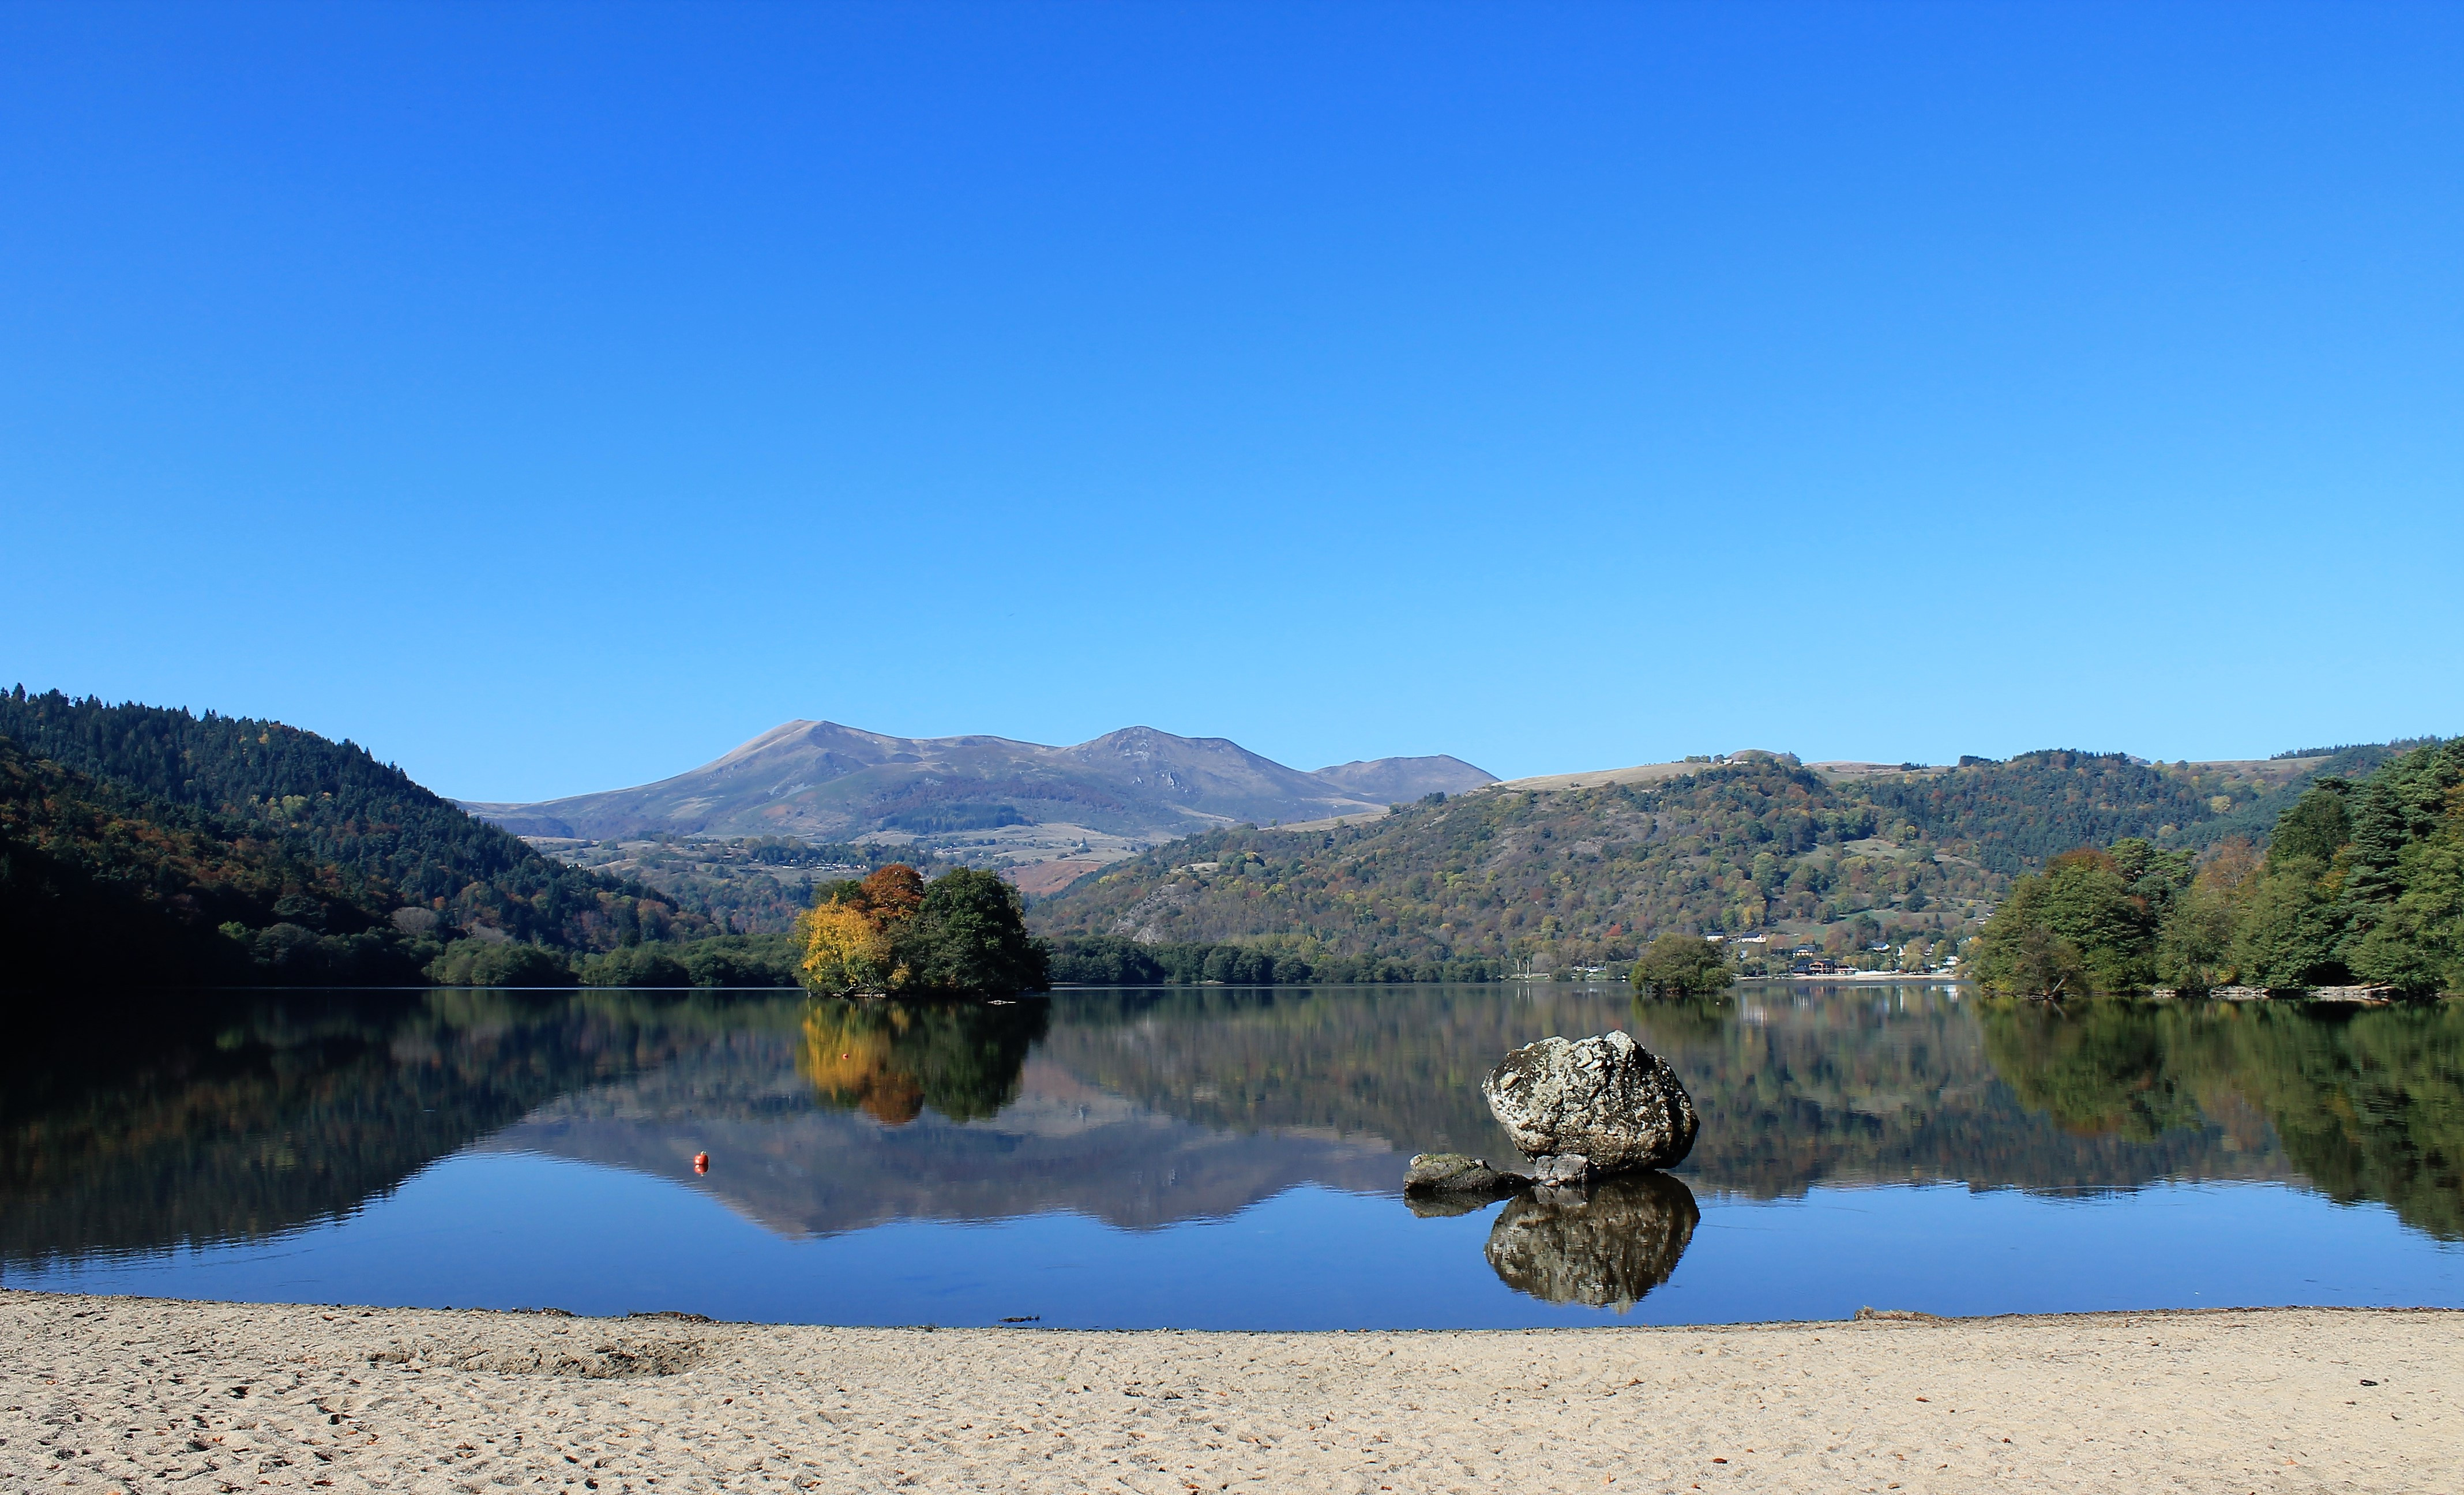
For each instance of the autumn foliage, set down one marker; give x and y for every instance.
(963, 933)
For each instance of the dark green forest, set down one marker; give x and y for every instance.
(100, 883)
(144, 845)
(2362, 882)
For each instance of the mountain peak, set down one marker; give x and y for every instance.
(1011, 800)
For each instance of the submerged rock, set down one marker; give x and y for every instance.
(1452, 1173)
(1606, 1246)
(1608, 1099)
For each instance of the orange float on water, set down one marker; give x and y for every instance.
(701, 1162)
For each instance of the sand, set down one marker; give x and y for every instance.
(129, 1394)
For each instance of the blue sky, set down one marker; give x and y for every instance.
(549, 398)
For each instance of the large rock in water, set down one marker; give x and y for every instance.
(1608, 1099)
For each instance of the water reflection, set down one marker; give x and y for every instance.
(1140, 1109)
(196, 1121)
(1804, 1085)
(1606, 1246)
(891, 1059)
(2366, 1105)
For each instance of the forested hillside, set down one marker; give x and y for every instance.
(1564, 877)
(1585, 876)
(2362, 881)
(353, 833)
(100, 883)
(2012, 816)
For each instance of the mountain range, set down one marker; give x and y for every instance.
(1105, 798)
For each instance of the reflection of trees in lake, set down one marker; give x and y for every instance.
(238, 1121)
(893, 1059)
(1402, 1063)
(1800, 1086)
(1795, 1085)
(1607, 1246)
(2368, 1105)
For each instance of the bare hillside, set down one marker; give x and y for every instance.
(822, 780)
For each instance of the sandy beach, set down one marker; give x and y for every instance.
(126, 1394)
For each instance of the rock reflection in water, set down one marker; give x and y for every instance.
(1607, 1246)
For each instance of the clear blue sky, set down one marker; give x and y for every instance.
(549, 398)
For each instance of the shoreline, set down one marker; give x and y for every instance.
(143, 1393)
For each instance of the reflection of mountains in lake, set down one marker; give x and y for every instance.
(808, 1161)
(1145, 1108)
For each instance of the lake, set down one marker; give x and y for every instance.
(1224, 1158)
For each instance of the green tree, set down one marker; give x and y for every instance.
(2196, 946)
(1680, 965)
(2317, 825)
(2085, 925)
(969, 937)
(497, 962)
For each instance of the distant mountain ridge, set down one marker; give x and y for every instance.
(823, 780)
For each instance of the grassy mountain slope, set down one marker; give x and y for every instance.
(365, 825)
(1585, 876)
(826, 781)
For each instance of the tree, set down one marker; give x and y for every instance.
(2317, 825)
(1680, 965)
(2195, 948)
(963, 933)
(497, 962)
(2085, 925)
(843, 949)
(969, 937)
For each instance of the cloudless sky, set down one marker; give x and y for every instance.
(550, 397)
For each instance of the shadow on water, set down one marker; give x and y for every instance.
(1606, 1246)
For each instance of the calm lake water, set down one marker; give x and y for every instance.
(1228, 1159)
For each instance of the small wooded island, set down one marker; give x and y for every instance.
(961, 934)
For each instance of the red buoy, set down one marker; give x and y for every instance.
(701, 1162)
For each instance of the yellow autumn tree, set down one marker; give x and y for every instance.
(842, 950)
(847, 941)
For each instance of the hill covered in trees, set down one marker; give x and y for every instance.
(99, 883)
(2362, 881)
(146, 844)
(1510, 877)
